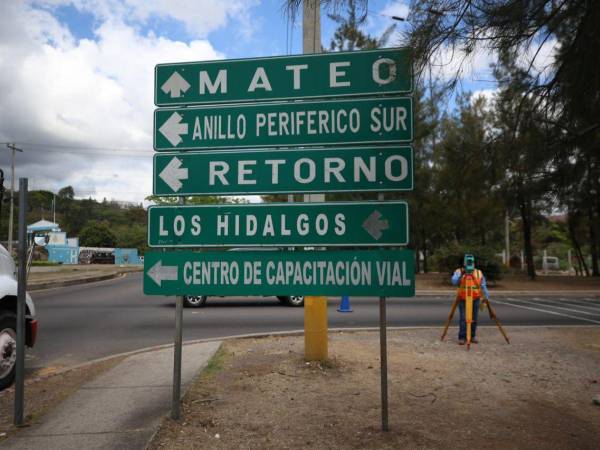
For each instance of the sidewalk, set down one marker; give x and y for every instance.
(121, 409)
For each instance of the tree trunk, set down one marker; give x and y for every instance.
(592, 182)
(423, 240)
(580, 259)
(593, 241)
(525, 210)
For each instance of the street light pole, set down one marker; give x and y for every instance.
(12, 193)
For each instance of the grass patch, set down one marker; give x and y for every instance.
(215, 364)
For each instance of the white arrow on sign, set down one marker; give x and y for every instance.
(176, 84)
(173, 173)
(375, 226)
(160, 273)
(172, 129)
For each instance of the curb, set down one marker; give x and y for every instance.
(261, 336)
(73, 282)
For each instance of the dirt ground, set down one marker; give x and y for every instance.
(44, 392)
(435, 281)
(536, 392)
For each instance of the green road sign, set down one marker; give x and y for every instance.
(330, 122)
(371, 72)
(279, 224)
(366, 273)
(284, 171)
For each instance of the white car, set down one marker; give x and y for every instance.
(8, 320)
(197, 301)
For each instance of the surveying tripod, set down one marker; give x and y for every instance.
(470, 284)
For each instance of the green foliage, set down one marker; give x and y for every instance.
(196, 200)
(449, 257)
(66, 193)
(348, 35)
(134, 235)
(97, 234)
(44, 263)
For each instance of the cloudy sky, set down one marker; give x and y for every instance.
(76, 78)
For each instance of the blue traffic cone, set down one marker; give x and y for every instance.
(345, 305)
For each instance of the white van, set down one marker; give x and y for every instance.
(8, 319)
(552, 263)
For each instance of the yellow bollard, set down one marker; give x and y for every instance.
(469, 284)
(315, 328)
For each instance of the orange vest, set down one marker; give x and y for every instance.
(476, 285)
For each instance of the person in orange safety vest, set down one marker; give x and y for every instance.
(459, 279)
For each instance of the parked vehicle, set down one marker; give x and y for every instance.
(197, 301)
(8, 319)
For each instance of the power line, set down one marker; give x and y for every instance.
(55, 148)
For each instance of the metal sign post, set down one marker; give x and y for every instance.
(21, 293)
(177, 353)
(383, 355)
(235, 128)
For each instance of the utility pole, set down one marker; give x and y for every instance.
(12, 193)
(507, 239)
(315, 307)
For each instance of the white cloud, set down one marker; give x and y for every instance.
(540, 57)
(448, 63)
(488, 94)
(77, 95)
(200, 17)
(377, 23)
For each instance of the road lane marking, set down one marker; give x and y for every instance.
(545, 311)
(547, 303)
(583, 304)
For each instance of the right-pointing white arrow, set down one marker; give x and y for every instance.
(176, 84)
(173, 173)
(172, 129)
(160, 273)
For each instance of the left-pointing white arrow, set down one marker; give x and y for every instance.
(375, 225)
(173, 173)
(172, 129)
(160, 273)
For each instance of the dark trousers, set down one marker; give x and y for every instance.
(462, 328)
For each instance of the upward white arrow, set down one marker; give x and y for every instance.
(160, 273)
(176, 84)
(172, 129)
(173, 173)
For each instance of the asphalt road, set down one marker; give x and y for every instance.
(89, 321)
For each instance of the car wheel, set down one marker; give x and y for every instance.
(293, 300)
(194, 301)
(8, 349)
